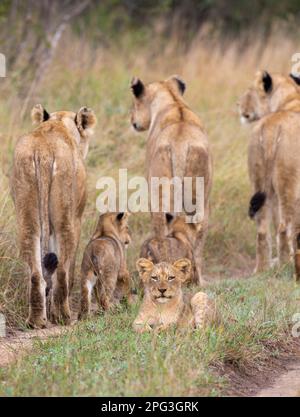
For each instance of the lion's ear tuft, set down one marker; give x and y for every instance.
(183, 265)
(263, 82)
(267, 82)
(178, 83)
(169, 218)
(143, 266)
(122, 216)
(137, 87)
(86, 121)
(39, 114)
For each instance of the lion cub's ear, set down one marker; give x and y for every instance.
(143, 266)
(85, 121)
(39, 114)
(169, 218)
(123, 216)
(176, 82)
(183, 265)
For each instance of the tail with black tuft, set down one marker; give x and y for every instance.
(256, 203)
(50, 262)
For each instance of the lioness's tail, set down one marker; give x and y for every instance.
(268, 155)
(256, 203)
(44, 169)
(50, 262)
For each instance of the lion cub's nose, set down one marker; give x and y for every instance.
(162, 290)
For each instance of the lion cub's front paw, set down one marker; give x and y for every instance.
(160, 328)
(142, 327)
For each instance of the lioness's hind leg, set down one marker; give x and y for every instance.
(73, 261)
(284, 242)
(296, 243)
(37, 301)
(30, 248)
(263, 239)
(162, 169)
(284, 231)
(287, 190)
(29, 236)
(198, 258)
(60, 309)
(198, 165)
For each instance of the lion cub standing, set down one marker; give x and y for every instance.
(164, 303)
(103, 267)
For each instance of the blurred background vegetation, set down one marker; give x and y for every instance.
(66, 54)
(31, 30)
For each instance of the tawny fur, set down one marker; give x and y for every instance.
(164, 304)
(103, 268)
(48, 186)
(177, 145)
(178, 243)
(274, 167)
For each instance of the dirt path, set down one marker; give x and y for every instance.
(15, 346)
(286, 385)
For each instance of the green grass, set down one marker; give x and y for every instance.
(105, 357)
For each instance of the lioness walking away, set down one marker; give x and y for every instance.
(164, 303)
(274, 165)
(103, 266)
(49, 190)
(177, 146)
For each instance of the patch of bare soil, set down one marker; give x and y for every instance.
(276, 377)
(287, 385)
(18, 342)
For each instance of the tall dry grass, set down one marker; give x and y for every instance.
(85, 74)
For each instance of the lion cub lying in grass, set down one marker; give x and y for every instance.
(103, 267)
(164, 303)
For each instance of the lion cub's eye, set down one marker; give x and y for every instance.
(170, 278)
(154, 278)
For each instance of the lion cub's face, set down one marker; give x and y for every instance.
(163, 281)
